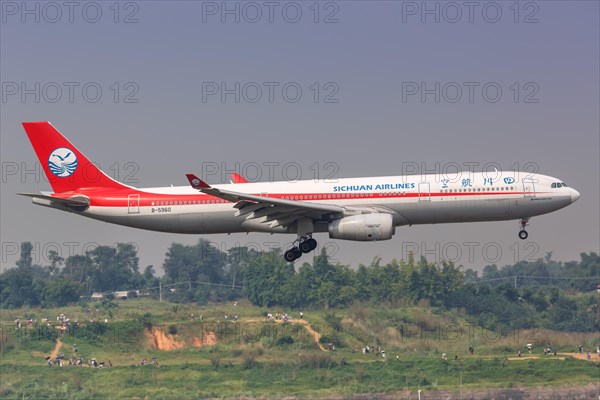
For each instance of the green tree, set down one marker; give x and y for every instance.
(109, 306)
(267, 278)
(327, 294)
(113, 268)
(200, 262)
(25, 260)
(24, 284)
(60, 292)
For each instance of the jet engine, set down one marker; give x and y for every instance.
(363, 227)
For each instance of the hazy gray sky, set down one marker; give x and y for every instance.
(151, 90)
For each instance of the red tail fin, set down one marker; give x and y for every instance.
(237, 178)
(65, 166)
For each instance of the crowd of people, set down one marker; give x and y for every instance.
(588, 353)
(283, 317)
(144, 361)
(375, 350)
(62, 322)
(77, 361)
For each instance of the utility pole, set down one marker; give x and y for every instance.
(160, 290)
(461, 386)
(515, 281)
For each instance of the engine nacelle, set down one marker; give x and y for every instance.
(363, 227)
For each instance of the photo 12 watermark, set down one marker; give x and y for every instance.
(270, 171)
(462, 332)
(269, 92)
(46, 253)
(470, 12)
(33, 172)
(71, 331)
(270, 12)
(471, 252)
(469, 92)
(71, 12)
(70, 92)
(457, 171)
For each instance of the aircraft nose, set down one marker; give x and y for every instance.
(574, 195)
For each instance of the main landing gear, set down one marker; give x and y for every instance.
(523, 233)
(301, 245)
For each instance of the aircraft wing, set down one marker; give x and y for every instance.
(276, 212)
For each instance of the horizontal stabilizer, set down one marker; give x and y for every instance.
(79, 201)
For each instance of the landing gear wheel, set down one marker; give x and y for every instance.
(303, 245)
(306, 247)
(523, 233)
(297, 253)
(290, 255)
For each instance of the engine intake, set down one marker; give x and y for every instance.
(363, 227)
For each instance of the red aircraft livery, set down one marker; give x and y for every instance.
(363, 209)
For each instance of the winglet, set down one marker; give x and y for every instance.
(237, 178)
(196, 182)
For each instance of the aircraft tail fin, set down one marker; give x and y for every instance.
(66, 167)
(237, 178)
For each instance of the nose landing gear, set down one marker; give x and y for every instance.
(304, 245)
(523, 233)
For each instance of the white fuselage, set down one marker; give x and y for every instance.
(426, 199)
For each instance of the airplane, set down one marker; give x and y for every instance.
(359, 209)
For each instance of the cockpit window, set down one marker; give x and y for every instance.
(558, 184)
(563, 184)
(553, 185)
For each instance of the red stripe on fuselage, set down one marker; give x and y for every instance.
(120, 198)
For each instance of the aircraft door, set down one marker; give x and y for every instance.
(528, 187)
(424, 191)
(133, 204)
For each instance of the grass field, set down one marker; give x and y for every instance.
(202, 354)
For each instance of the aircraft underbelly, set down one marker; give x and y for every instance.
(459, 210)
(182, 222)
(427, 211)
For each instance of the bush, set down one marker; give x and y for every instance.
(360, 312)
(249, 359)
(146, 321)
(334, 321)
(284, 340)
(132, 295)
(91, 332)
(6, 347)
(84, 305)
(172, 329)
(360, 374)
(334, 339)
(215, 360)
(317, 360)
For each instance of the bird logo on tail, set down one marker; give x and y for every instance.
(62, 162)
